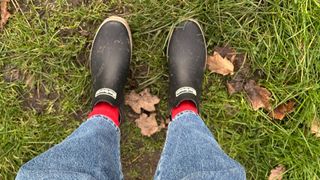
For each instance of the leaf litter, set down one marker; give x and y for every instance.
(277, 172)
(148, 124)
(218, 64)
(145, 101)
(243, 80)
(226, 51)
(258, 96)
(315, 127)
(282, 110)
(4, 13)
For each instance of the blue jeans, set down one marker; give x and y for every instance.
(93, 152)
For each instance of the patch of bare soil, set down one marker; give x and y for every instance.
(79, 115)
(144, 164)
(36, 97)
(39, 99)
(136, 72)
(82, 113)
(11, 74)
(82, 58)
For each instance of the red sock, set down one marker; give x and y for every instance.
(106, 109)
(183, 106)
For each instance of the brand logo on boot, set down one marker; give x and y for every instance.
(107, 92)
(184, 90)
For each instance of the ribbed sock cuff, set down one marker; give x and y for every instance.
(183, 106)
(106, 109)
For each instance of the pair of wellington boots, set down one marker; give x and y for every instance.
(112, 51)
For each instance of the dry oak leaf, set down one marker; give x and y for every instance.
(258, 96)
(142, 100)
(234, 86)
(4, 13)
(218, 64)
(238, 59)
(162, 124)
(315, 127)
(226, 51)
(282, 110)
(148, 124)
(277, 173)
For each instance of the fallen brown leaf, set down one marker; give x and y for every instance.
(4, 13)
(240, 63)
(234, 86)
(315, 127)
(148, 124)
(218, 64)
(167, 121)
(163, 124)
(226, 51)
(258, 96)
(237, 59)
(142, 100)
(277, 173)
(282, 110)
(259, 74)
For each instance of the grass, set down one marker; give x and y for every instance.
(45, 80)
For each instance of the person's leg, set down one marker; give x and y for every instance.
(93, 150)
(190, 151)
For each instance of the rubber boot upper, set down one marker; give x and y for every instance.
(110, 59)
(187, 57)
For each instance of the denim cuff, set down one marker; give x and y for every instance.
(184, 113)
(106, 119)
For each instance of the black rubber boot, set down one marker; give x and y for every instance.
(187, 56)
(110, 58)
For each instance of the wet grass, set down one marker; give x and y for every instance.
(45, 80)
